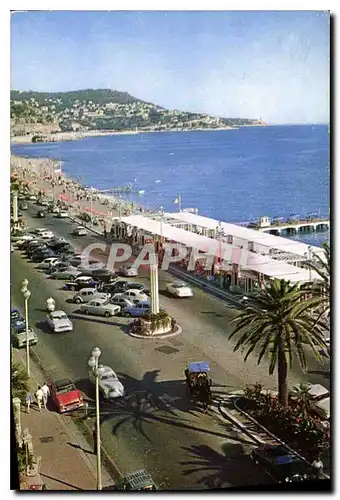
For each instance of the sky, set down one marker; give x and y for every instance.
(272, 65)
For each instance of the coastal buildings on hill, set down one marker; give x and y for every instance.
(104, 110)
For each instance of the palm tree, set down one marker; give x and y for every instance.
(277, 320)
(303, 398)
(19, 382)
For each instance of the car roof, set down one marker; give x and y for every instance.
(90, 289)
(198, 367)
(105, 369)
(62, 383)
(139, 479)
(57, 313)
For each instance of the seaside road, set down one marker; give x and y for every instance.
(206, 325)
(154, 426)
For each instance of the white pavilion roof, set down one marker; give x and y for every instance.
(263, 242)
(229, 253)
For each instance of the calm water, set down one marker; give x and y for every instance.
(232, 175)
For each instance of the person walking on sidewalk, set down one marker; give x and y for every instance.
(39, 395)
(46, 392)
(29, 400)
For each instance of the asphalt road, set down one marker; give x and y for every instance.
(154, 427)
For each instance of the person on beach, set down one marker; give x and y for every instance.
(46, 392)
(39, 396)
(29, 400)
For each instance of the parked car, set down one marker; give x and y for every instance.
(39, 256)
(109, 384)
(120, 286)
(43, 203)
(23, 238)
(135, 294)
(79, 231)
(32, 197)
(108, 288)
(90, 268)
(180, 290)
(63, 214)
(128, 270)
(19, 337)
(23, 206)
(40, 230)
(66, 396)
(47, 235)
(81, 282)
(103, 275)
(321, 402)
(100, 307)
(279, 463)
(87, 294)
(137, 310)
(137, 286)
(41, 214)
(121, 301)
(69, 273)
(17, 319)
(59, 322)
(48, 263)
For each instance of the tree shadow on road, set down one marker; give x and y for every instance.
(232, 467)
(150, 401)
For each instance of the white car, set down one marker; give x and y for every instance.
(180, 290)
(121, 301)
(63, 214)
(59, 322)
(25, 237)
(47, 263)
(109, 384)
(32, 197)
(321, 402)
(100, 307)
(70, 273)
(40, 230)
(46, 235)
(129, 270)
(134, 295)
(79, 231)
(87, 294)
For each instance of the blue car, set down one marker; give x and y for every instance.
(17, 320)
(137, 310)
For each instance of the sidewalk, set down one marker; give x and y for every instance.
(67, 460)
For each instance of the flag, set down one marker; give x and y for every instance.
(176, 201)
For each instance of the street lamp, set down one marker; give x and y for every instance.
(93, 364)
(309, 256)
(220, 234)
(26, 293)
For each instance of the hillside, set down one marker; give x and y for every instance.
(104, 109)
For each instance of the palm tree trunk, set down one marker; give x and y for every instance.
(282, 377)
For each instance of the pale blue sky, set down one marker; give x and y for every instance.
(269, 64)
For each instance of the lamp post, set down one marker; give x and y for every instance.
(26, 293)
(308, 255)
(219, 234)
(93, 364)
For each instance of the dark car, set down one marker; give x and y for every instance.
(17, 319)
(120, 286)
(35, 250)
(108, 288)
(82, 282)
(104, 275)
(279, 463)
(23, 206)
(41, 214)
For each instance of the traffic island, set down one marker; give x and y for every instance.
(160, 325)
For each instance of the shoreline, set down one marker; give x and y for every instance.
(76, 136)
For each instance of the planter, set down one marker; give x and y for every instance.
(153, 325)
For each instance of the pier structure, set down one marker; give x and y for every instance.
(238, 258)
(296, 227)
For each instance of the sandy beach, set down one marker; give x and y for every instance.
(45, 175)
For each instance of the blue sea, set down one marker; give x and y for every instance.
(231, 175)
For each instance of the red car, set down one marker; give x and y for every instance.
(66, 396)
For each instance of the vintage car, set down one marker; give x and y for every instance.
(19, 336)
(128, 270)
(109, 384)
(99, 306)
(180, 290)
(66, 396)
(58, 322)
(79, 231)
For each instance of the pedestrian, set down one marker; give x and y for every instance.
(318, 466)
(39, 395)
(46, 392)
(29, 400)
(105, 233)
